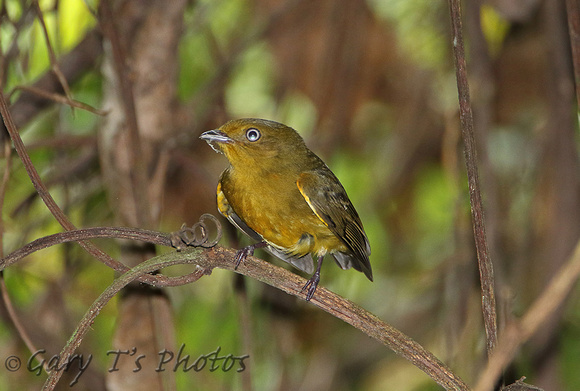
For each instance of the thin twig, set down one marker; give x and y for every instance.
(53, 61)
(58, 98)
(3, 186)
(74, 64)
(466, 117)
(20, 329)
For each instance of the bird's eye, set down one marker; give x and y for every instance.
(253, 134)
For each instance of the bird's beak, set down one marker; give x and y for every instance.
(218, 137)
(215, 136)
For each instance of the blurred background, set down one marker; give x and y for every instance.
(371, 87)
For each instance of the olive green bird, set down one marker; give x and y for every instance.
(282, 195)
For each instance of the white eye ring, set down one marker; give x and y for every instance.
(253, 134)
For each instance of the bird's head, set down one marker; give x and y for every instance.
(255, 141)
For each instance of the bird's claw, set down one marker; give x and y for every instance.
(311, 285)
(247, 251)
(243, 254)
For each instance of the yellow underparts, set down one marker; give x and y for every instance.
(279, 213)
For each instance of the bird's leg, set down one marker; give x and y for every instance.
(314, 280)
(249, 250)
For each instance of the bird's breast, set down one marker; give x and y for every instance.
(272, 205)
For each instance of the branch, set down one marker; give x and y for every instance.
(466, 117)
(52, 57)
(343, 309)
(185, 237)
(33, 174)
(73, 65)
(197, 235)
(40, 187)
(541, 310)
(88, 319)
(217, 257)
(58, 98)
(253, 267)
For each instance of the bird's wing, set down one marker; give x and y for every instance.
(329, 201)
(303, 263)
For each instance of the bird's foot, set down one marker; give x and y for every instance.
(247, 251)
(311, 285)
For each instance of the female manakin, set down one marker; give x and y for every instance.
(282, 195)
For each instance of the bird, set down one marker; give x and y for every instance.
(283, 196)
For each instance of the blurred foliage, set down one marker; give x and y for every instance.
(419, 29)
(495, 28)
(398, 155)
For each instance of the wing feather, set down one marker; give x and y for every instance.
(329, 201)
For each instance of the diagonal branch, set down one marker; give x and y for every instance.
(61, 99)
(218, 257)
(44, 194)
(73, 65)
(41, 189)
(541, 310)
(53, 61)
(185, 237)
(280, 278)
(88, 319)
